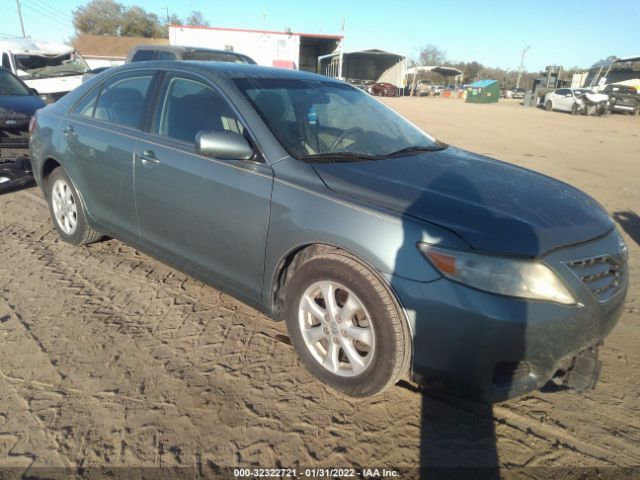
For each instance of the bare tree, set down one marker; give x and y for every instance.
(108, 17)
(431, 55)
(137, 22)
(99, 17)
(196, 19)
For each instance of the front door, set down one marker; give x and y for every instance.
(206, 215)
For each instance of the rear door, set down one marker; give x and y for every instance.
(206, 215)
(99, 137)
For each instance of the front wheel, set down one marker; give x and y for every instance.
(548, 106)
(575, 109)
(66, 210)
(346, 326)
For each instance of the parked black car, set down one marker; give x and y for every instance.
(143, 53)
(623, 98)
(18, 103)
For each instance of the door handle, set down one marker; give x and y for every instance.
(147, 157)
(69, 131)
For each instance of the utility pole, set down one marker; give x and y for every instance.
(166, 9)
(24, 35)
(521, 69)
(341, 51)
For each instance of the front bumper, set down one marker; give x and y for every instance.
(622, 107)
(493, 348)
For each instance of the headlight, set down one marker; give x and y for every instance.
(501, 275)
(622, 245)
(46, 97)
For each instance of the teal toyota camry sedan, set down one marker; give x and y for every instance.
(388, 254)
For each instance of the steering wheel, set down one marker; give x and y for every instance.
(343, 136)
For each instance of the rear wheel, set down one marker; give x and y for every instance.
(66, 210)
(548, 106)
(346, 326)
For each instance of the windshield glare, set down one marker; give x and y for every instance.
(41, 66)
(315, 117)
(10, 85)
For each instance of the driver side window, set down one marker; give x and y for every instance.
(189, 106)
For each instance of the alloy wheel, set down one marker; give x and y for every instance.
(64, 206)
(336, 328)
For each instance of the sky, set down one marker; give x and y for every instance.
(569, 33)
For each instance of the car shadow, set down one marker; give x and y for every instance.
(630, 223)
(458, 437)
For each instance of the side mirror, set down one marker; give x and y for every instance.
(223, 144)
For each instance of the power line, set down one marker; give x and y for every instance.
(44, 15)
(39, 9)
(53, 10)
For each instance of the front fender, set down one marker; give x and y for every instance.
(307, 214)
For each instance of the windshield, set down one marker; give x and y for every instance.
(44, 66)
(10, 85)
(621, 89)
(321, 118)
(215, 57)
(582, 91)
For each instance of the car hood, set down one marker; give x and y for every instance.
(19, 107)
(494, 206)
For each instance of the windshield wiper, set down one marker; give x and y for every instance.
(417, 149)
(330, 157)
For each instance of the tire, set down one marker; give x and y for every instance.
(66, 210)
(383, 349)
(548, 106)
(574, 109)
(636, 112)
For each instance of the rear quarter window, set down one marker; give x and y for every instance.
(143, 55)
(163, 55)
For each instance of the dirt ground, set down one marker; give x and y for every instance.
(109, 358)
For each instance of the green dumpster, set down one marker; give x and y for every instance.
(483, 91)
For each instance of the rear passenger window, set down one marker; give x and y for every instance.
(143, 55)
(122, 100)
(86, 105)
(189, 106)
(162, 55)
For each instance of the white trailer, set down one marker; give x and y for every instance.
(286, 49)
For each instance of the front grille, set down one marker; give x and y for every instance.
(602, 275)
(14, 138)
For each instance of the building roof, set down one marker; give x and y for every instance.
(274, 32)
(482, 83)
(444, 71)
(106, 46)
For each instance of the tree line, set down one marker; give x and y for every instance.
(472, 71)
(108, 17)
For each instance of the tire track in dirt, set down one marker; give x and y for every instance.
(209, 362)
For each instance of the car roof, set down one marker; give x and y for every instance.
(183, 48)
(227, 69)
